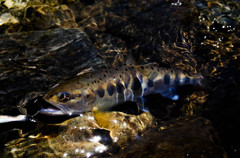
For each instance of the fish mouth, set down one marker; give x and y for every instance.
(55, 109)
(51, 111)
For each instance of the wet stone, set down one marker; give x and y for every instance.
(37, 61)
(83, 136)
(119, 28)
(180, 138)
(35, 15)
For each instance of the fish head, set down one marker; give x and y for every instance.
(71, 98)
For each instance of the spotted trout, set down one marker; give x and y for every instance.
(105, 88)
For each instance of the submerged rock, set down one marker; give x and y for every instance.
(32, 62)
(41, 17)
(35, 15)
(184, 137)
(83, 136)
(154, 31)
(8, 18)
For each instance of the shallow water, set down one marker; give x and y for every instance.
(43, 44)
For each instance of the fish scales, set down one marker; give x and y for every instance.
(107, 87)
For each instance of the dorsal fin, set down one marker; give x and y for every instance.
(86, 71)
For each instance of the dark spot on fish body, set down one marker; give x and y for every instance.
(100, 92)
(126, 84)
(157, 84)
(104, 75)
(150, 83)
(186, 80)
(110, 89)
(136, 84)
(166, 79)
(91, 90)
(119, 88)
(100, 78)
(195, 81)
(142, 67)
(78, 82)
(126, 69)
(152, 68)
(127, 80)
(177, 81)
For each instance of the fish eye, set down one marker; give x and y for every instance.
(64, 97)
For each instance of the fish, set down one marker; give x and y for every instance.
(102, 89)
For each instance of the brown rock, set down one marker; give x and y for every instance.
(185, 137)
(35, 15)
(87, 135)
